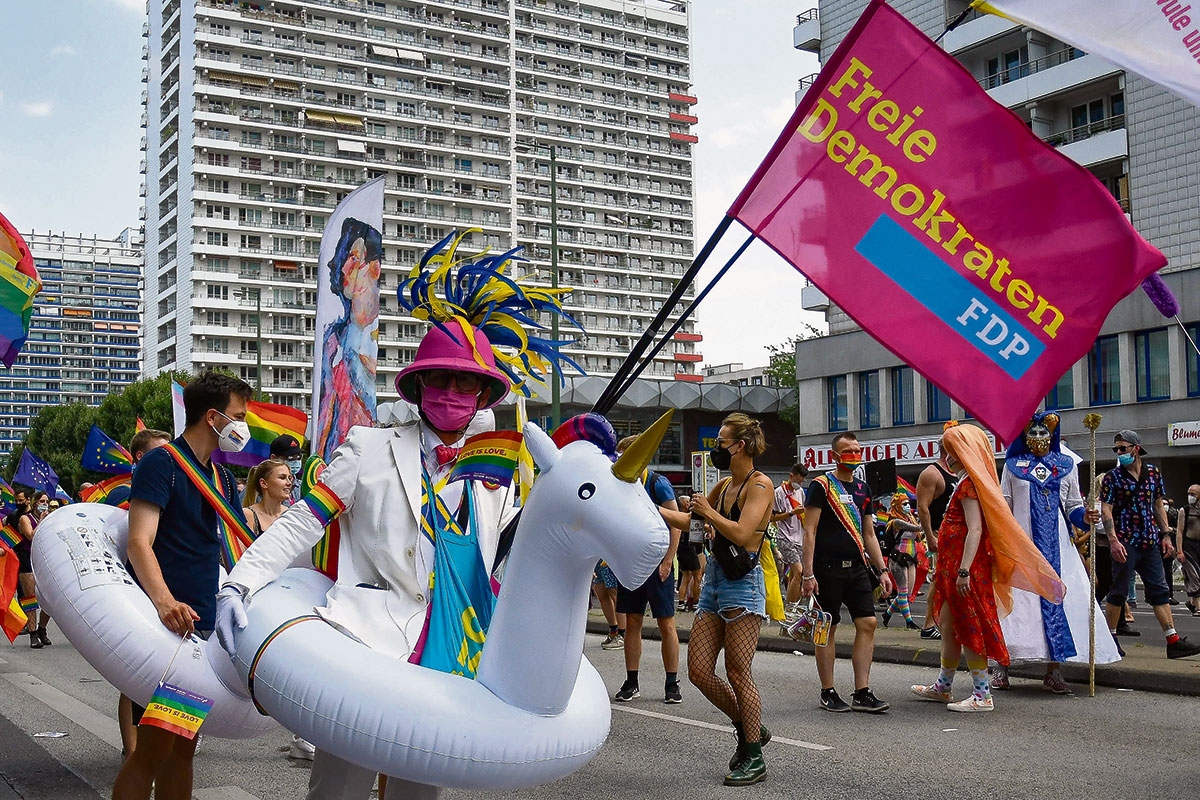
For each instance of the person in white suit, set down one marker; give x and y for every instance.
(374, 487)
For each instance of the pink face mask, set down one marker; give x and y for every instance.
(448, 410)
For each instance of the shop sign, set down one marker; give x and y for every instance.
(911, 450)
(1183, 433)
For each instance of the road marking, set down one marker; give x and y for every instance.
(3, 663)
(223, 793)
(99, 725)
(695, 723)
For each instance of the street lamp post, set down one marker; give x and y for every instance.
(555, 400)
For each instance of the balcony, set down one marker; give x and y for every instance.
(976, 29)
(1094, 143)
(813, 299)
(807, 33)
(804, 85)
(1046, 76)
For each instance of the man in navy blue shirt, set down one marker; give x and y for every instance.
(659, 592)
(175, 552)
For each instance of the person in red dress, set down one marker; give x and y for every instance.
(982, 555)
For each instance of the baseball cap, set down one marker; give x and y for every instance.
(285, 446)
(1131, 437)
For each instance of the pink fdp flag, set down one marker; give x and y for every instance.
(964, 244)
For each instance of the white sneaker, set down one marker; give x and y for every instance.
(614, 641)
(301, 749)
(930, 692)
(972, 704)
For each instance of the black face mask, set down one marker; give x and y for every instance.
(720, 457)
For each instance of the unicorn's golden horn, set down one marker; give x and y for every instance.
(639, 454)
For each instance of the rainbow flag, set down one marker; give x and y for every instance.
(267, 422)
(103, 454)
(176, 710)
(490, 457)
(113, 492)
(19, 284)
(8, 498)
(29, 604)
(10, 536)
(14, 620)
(906, 487)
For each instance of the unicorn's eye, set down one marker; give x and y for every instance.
(586, 491)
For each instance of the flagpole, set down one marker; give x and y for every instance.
(1092, 422)
(687, 312)
(609, 398)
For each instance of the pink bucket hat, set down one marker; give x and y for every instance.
(459, 346)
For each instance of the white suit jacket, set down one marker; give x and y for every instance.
(381, 593)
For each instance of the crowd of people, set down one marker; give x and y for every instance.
(995, 552)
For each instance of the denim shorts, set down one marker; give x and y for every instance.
(1148, 564)
(720, 595)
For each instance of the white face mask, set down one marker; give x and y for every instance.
(234, 437)
(43, 508)
(1193, 498)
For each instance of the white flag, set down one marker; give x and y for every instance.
(1158, 39)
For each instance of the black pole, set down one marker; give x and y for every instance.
(610, 395)
(687, 312)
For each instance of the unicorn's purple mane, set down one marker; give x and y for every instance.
(589, 427)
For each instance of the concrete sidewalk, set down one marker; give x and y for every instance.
(1145, 667)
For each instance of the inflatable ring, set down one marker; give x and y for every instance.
(79, 562)
(538, 709)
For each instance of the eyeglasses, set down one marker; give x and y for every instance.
(1124, 448)
(466, 382)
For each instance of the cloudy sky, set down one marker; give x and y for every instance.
(69, 139)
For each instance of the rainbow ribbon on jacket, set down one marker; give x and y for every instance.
(236, 536)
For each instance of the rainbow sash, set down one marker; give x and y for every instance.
(235, 534)
(847, 514)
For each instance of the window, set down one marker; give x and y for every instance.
(903, 407)
(1008, 67)
(1193, 361)
(1062, 395)
(937, 403)
(868, 399)
(1104, 375)
(1153, 365)
(836, 388)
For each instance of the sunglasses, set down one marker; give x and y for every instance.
(1124, 448)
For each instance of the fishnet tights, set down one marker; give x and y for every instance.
(738, 698)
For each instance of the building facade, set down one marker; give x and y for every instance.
(1137, 139)
(85, 333)
(261, 117)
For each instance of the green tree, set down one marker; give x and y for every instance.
(57, 435)
(781, 369)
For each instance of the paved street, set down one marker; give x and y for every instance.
(1122, 743)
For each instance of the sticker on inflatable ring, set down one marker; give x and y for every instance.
(491, 486)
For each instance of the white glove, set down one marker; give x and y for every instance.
(231, 614)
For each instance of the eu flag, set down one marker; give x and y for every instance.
(35, 473)
(103, 454)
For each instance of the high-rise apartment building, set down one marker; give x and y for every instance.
(1139, 140)
(85, 331)
(261, 116)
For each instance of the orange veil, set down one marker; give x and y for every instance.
(1016, 561)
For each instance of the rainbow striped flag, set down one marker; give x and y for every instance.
(113, 491)
(29, 604)
(8, 498)
(177, 710)
(10, 536)
(19, 284)
(267, 422)
(490, 457)
(906, 487)
(14, 620)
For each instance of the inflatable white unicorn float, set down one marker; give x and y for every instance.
(537, 711)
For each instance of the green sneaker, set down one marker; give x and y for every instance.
(752, 769)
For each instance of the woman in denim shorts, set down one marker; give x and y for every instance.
(731, 611)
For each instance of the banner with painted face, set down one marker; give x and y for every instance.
(946, 229)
